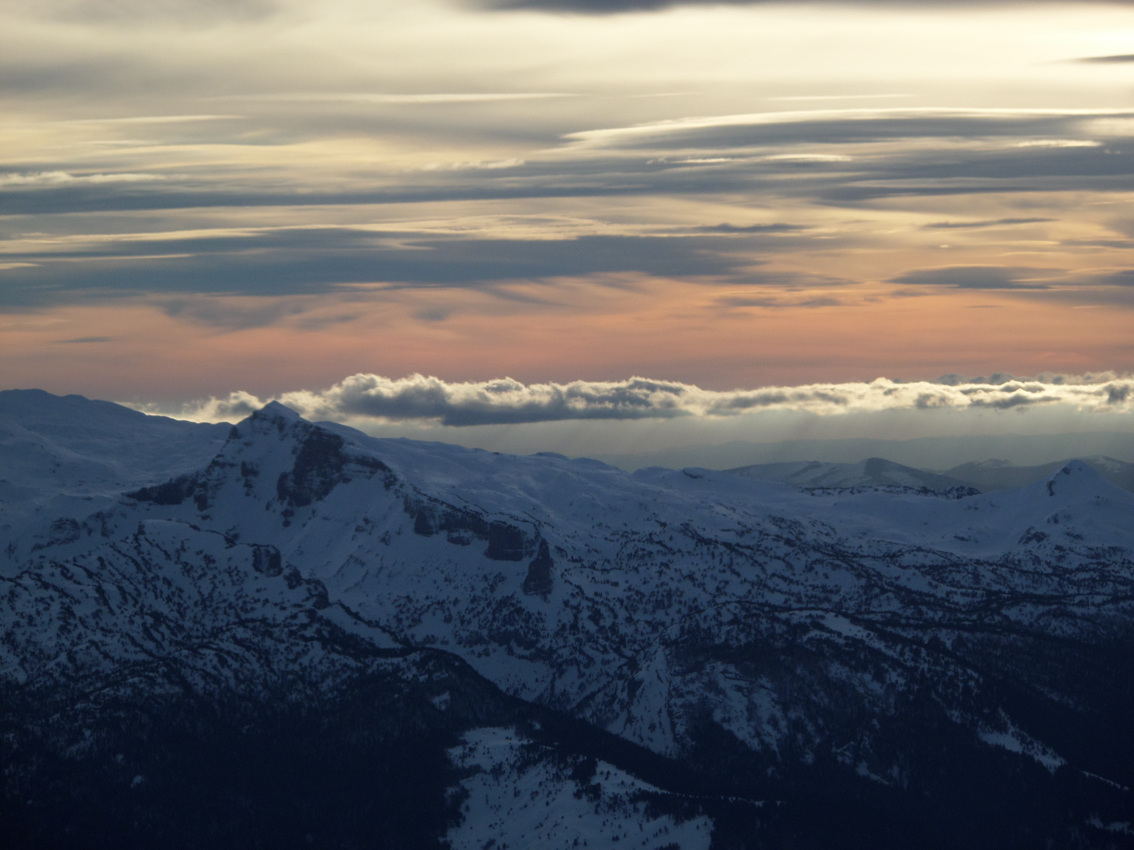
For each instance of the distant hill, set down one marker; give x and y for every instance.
(941, 454)
(1002, 475)
(983, 476)
(872, 472)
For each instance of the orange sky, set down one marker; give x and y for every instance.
(678, 332)
(204, 198)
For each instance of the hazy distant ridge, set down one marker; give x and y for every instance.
(939, 454)
(983, 476)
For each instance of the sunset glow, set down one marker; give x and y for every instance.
(266, 197)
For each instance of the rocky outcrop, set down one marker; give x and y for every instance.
(538, 581)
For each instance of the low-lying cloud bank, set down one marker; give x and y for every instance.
(421, 399)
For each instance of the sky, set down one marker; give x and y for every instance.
(595, 225)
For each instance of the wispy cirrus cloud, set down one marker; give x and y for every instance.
(141, 12)
(844, 126)
(980, 277)
(984, 224)
(87, 340)
(298, 181)
(1115, 59)
(66, 178)
(1094, 288)
(397, 98)
(309, 261)
(833, 157)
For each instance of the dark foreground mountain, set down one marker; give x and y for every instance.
(292, 635)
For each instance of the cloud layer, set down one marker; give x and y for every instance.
(867, 162)
(418, 398)
(268, 193)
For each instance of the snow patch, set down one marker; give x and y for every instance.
(521, 795)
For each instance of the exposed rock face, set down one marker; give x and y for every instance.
(169, 493)
(538, 580)
(505, 542)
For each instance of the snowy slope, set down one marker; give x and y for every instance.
(524, 799)
(695, 615)
(68, 456)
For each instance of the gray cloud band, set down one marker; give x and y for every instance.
(1019, 152)
(309, 262)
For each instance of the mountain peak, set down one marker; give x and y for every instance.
(1072, 477)
(276, 410)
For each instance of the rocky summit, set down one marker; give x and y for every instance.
(286, 634)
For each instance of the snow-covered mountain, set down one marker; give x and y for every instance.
(1001, 475)
(286, 633)
(873, 472)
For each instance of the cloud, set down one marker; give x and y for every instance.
(1009, 395)
(1011, 402)
(496, 402)
(87, 340)
(979, 277)
(417, 398)
(1124, 278)
(775, 228)
(229, 313)
(1118, 394)
(986, 223)
(553, 182)
(1092, 289)
(233, 407)
(1059, 143)
(609, 7)
(843, 126)
(310, 261)
(142, 12)
(775, 302)
(595, 7)
(851, 157)
(780, 289)
(995, 379)
(64, 178)
(1120, 59)
(836, 157)
(398, 99)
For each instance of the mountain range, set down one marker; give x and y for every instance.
(982, 476)
(939, 454)
(290, 634)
